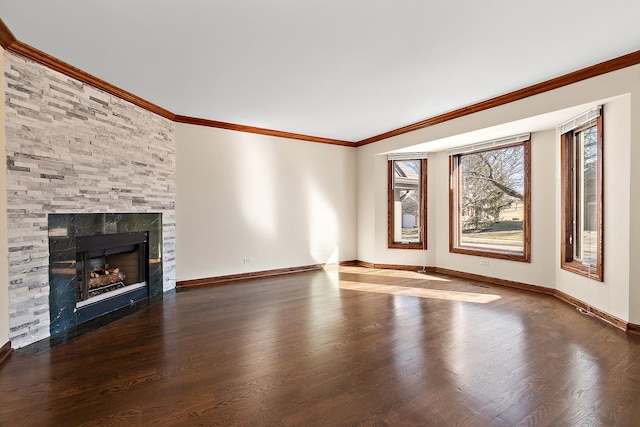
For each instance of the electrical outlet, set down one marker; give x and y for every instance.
(484, 262)
(247, 260)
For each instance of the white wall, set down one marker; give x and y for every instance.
(611, 295)
(620, 293)
(543, 226)
(634, 242)
(4, 244)
(283, 203)
(372, 212)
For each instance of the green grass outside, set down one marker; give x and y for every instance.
(502, 232)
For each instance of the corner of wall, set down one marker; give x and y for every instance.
(4, 253)
(634, 230)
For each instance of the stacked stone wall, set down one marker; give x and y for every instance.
(72, 148)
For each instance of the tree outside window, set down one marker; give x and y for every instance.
(490, 203)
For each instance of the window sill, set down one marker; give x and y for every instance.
(581, 269)
(509, 256)
(412, 245)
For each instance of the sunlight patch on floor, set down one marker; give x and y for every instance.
(392, 273)
(410, 275)
(419, 292)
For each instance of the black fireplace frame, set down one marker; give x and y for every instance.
(66, 231)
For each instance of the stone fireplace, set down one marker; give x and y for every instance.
(99, 263)
(81, 162)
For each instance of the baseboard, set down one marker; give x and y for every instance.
(597, 313)
(394, 266)
(5, 352)
(633, 328)
(460, 274)
(217, 280)
(496, 281)
(364, 264)
(609, 318)
(570, 300)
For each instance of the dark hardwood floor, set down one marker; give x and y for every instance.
(350, 347)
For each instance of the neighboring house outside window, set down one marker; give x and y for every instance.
(407, 203)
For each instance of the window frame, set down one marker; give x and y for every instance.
(568, 205)
(455, 180)
(391, 243)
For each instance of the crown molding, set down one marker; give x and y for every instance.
(258, 130)
(546, 86)
(6, 36)
(55, 64)
(10, 43)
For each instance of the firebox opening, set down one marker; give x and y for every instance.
(110, 265)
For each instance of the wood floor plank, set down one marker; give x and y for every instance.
(343, 346)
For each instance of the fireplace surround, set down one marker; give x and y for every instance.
(74, 149)
(91, 244)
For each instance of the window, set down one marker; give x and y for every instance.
(582, 195)
(490, 199)
(407, 205)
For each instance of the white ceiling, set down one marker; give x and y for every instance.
(342, 69)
